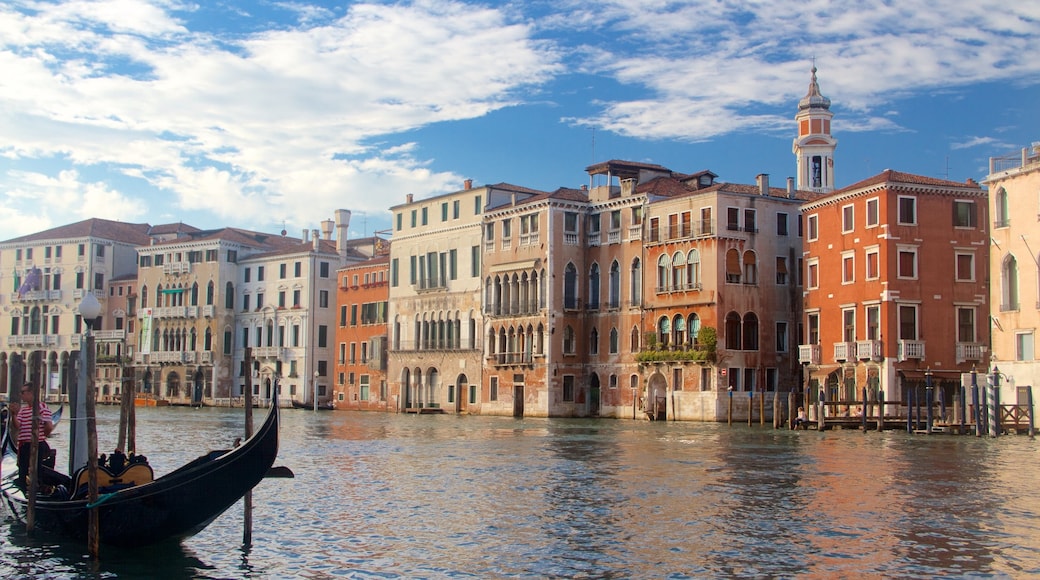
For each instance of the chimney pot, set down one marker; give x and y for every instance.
(763, 183)
(468, 184)
(409, 198)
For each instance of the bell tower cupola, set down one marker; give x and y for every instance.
(814, 146)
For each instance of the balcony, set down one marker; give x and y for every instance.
(909, 349)
(176, 312)
(109, 335)
(34, 340)
(844, 351)
(809, 354)
(635, 232)
(206, 358)
(614, 237)
(267, 352)
(511, 358)
(209, 311)
(869, 350)
(177, 268)
(167, 357)
(570, 239)
(595, 239)
(969, 351)
(39, 296)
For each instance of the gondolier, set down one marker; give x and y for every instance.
(21, 423)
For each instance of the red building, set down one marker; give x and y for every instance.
(361, 336)
(895, 286)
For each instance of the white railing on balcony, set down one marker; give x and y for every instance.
(170, 312)
(39, 295)
(809, 354)
(909, 349)
(176, 268)
(167, 357)
(206, 358)
(267, 351)
(570, 239)
(614, 237)
(34, 340)
(189, 357)
(968, 351)
(868, 350)
(844, 351)
(209, 311)
(109, 335)
(595, 240)
(635, 232)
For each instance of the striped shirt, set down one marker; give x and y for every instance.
(25, 423)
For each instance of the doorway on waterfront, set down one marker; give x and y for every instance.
(461, 384)
(173, 385)
(518, 401)
(656, 405)
(593, 395)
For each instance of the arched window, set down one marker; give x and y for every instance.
(195, 294)
(594, 287)
(615, 285)
(489, 296)
(693, 326)
(633, 340)
(750, 268)
(229, 296)
(733, 331)
(614, 347)
(35, 321)
(207, 340)
(679, 330)
(636, 285)
(594, 342)
(678, 271)
(144, 296)
(664, 329)
(732, 266)
(750, 331)
(1001, 219)
(693, 269)
(1009, 284)
(539, 340)
(664, 266)
(569, 345)
(570, 287)
(210, 291)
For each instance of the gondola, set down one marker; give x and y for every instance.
(134, 510)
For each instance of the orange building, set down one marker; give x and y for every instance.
(361, 335)
(896, 286)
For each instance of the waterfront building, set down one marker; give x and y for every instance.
(44, 276)
(896, 287)
(435, 353)
(722, 293)
(1014, 266)
(116, 339)
(362, 334)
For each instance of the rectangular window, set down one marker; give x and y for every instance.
(848, 324)
(908, 263)
(873, 322)
(282, 271)
(444, 211)
(400, 221)
(964, 214)
(568, 388)
(848, 267)
(323, 299)
(781, 270)
(453, 258)
(323, 269)
(323, 336)
(873, 266)
(615, 220)
(296, 299)
(965, 266)
(848, 218)
(259, 273)
(353, 314)
(455, 209)
(425, 216)
(781, 224)
(813, 326)
(812, 224)
(1024, 346)
(966, 325)
(493, 389)
(655, 229)
(343, 315)
(393, 272)
(872, 213)
(907, 211)
(246, 273)
(363, 386)
(477, 206)
(733, 219)
(415, 218)
(297, 269)
(907, 322)
(474, 261)
(281, 299)
(781, 337)
(814, 274)
(750, 220)
(677, 379)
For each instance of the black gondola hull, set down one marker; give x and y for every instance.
(174, 506)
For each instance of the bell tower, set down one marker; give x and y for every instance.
(814, 146)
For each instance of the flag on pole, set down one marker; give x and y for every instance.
(32, 282)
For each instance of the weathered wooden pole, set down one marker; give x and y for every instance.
(880, 410)
(750, 406)
(729, 411)
(776, 409)
(247, 500)
(792, 400)
(865, 409)
(1029, 409)
(762, 409)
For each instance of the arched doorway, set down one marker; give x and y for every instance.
(461, 386)
(594, 395)
(656, 405)
(173, 385)
(406, 387)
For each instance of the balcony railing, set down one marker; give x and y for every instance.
(267, 351)
(809, 354)
(209, 311)
(34, 340)
(109, 335)
(969, 351)
(614, 237)
(635, 232)
(844, 351)
(868, 350)
(177, 268)
(909, 349)
(39, 296)
(206, 357)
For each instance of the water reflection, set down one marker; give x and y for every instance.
(437, 496)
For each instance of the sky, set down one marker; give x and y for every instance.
(268, 115)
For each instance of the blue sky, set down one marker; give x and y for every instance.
(257, 114)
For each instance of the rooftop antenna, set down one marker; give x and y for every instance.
(283, 229)
(593, 145)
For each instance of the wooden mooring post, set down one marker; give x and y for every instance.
(247, 500)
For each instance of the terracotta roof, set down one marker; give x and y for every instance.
(177, 228)
(95, 228)
(890, 176)
(665, 187)
(620, 167)
(381, 259)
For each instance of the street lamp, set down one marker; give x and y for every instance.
(316, 390)
(90, 309)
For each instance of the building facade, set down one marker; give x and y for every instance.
(362, 336)
(896, 287)
(1014, 187)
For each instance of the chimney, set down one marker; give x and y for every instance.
(326, 229)
(468, 184)
(790, 187)
(304, 236)
(762, 179)
(408, 198)
(315, 239)
(342, 223)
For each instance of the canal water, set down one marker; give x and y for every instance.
(405, 496)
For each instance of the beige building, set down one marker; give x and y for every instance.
(43, 278)
(1014, 269)
(434, 359)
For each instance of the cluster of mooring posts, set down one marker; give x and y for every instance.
(976, 409)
